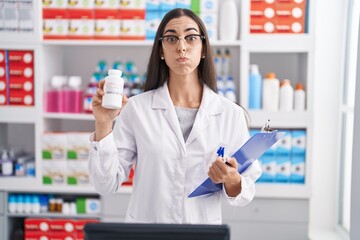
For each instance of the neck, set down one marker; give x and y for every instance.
(185, 92)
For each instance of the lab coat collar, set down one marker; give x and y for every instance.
(210, 105)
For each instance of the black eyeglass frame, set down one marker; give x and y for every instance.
(202, 37)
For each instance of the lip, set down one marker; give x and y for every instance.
(182, 59)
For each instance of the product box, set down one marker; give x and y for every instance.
(36, 225)
(3, 92)
(183, 4)
(298, 154)
(107, 4)
(36, 235)
(55, 4)
(81, 4)
(81, 24)
(77, 172)
(21, 84)
(283, 161)
(21, 57)
(62, 225)
(261, 25)
(152, 22)
(290, 17)
(20, 71)
(21, 98)
(54, 172)
(55, 24)
(10, 16)
(212, 32)
(207, 6)
(132, 25)
(268, 165)
(77, 145)
(132, 5)
(152, 5)
(93, 206)
(167, 5)
(107, 24)
(26, 18)
(54, 146)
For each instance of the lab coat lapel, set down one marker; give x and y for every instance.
(162, 100)
(210, 105)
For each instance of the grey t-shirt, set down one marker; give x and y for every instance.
(186, 118)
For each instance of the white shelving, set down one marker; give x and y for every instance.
(78, 57)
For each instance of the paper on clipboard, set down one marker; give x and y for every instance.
(245, 156)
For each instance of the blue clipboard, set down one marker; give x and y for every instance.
(245, 156)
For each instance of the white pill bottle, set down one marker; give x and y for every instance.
(113, 90)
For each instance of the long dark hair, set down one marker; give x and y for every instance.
(158, 71)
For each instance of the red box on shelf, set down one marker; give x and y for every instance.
(107, 24)
(262, 16)
(21, 98)
(62, 225)
(291, 16)
(2, 58)
(55, 23)
(81, 24)
(36, 225)
(132, 24)
(18, 70)
(36, 235)
(23, 57)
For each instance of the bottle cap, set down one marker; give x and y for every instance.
(270, 75)
(58, 81)
(114, 72)
(285, 82)
(74, 81)
(254, 68)
(299, 86)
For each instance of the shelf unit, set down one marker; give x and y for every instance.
(79, 57)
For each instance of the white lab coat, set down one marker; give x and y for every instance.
(168, 169)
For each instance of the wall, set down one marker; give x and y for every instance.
(329, 35)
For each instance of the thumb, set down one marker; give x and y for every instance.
(232, 162)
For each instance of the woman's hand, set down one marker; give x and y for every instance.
(104, 117)
(101, 114)
(226, 173)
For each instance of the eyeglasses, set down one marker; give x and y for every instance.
(171, 41)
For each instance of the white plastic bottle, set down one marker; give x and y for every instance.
(270, 93)
(229, 21)
(299, 97)
(286, 96)
(113, 89)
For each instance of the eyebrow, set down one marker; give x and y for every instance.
(186, 30)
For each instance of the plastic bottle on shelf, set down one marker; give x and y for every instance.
(228, 21)
(53, 98)
(35, 204)
(218, 62)
(230, 89)
(270, 92)
(226, 63)
(113, 90)
(255, 87)
(12, 202)
(286, 100)
(75, 95)
(27, 203)
(299, 97)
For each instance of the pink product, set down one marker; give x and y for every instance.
(71, 101)
(52, 101)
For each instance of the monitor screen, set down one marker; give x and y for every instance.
(135, 231)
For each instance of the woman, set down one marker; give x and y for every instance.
(172, 132)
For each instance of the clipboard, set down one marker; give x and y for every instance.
(245, 156)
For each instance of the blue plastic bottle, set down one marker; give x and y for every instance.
(255, 87)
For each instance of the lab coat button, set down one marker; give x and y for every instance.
(95, 148)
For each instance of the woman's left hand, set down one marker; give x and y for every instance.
(226, 173)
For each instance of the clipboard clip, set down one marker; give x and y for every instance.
(266, 127)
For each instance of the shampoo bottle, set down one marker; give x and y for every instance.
(286, 95)
(270, 100)
(228, 22)
(255, 87)
(299, 97)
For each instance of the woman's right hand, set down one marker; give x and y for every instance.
(101, 114)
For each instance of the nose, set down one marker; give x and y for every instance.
(182, 45)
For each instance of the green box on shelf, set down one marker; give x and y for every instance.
(195, 6)
(81, 205)
(47, 180)
(71, 180)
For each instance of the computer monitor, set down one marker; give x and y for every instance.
(135, 231)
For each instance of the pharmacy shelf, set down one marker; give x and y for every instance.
(280, 119)
(54, 215)
(126, 43)
(19, 38)
(282, 190)
(69, 116)
(279, 43)
(17, 114)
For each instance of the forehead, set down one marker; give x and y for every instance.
(181, 24)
